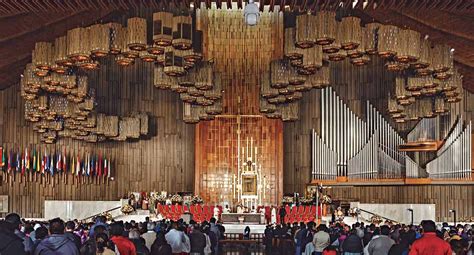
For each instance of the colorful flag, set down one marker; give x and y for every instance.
(34, 159)
(64, 163)
(72, 166)
(18, 161)
(44, 162)
(78, 166)
(88, 166)
(51, 166)
(27, 159)
(97, 163)
(2, 158)
(58, 162)
(10, 161)
(109, 169)
(23, 163)
(38, 163)
(105, 167)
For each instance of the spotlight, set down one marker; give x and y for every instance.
(452, 49)
(426, 37)
(251, 13)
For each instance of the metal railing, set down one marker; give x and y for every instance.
(385, 218)
(97, 214)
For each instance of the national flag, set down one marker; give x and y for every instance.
(97, 163)
(34, 159)
(59, 162)
(18, 161)
(92, 165)
(10, 161)
(72, 166)
(64, 163)
(51, 166)
(27, 159)
(2, 158)
(105, 167)
(78, 165)
(44, 162)
(84, 166)
(23, 163)
(88, 166)
(38, 163)
(109, 169)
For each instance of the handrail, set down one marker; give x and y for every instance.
(97, 214)
(362, 210)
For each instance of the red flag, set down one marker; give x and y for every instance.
(1, 157)
(43, 162)
(64, 165)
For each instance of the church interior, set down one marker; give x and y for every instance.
(352, 110)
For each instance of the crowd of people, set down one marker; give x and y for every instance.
(393, 239)
(57, 237)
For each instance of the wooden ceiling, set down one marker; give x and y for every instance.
(22, 23)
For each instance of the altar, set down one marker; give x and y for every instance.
(244, 217)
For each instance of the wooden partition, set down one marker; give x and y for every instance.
(446, 197)
(164, 160)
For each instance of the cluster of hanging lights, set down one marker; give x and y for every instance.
(426, 79)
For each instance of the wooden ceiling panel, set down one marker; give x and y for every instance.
(22, 23)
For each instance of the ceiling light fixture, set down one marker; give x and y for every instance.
(251, 13)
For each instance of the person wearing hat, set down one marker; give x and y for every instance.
(16, 222)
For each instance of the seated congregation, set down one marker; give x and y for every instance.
(166, 237)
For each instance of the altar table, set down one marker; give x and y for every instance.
(248, 218)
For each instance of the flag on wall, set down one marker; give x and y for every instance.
(51, 166)
(78, 165)
(10, 161)
(2, 158)
(27, 159)
(59, 162)
(18, 161)
(64, 162)
(34, 159)
(46, 163)
(105, 167)
(23, 163)
(72, 166)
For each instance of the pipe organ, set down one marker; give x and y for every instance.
(427, 129)
(364, 164)
(327, 162)
(413, 170)
(453, 159)
(354, 148)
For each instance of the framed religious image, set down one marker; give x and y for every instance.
(249, 185)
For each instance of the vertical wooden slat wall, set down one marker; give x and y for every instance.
(446, 197)
(240, 53)
(163, 160)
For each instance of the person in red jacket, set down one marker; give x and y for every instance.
(123, 244)
(429, 243)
